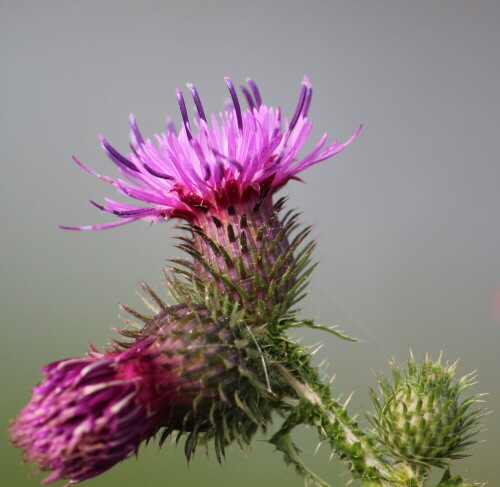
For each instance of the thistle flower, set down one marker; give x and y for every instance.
(90, 413)
(421, 418)
(219, 175)
(237, 161)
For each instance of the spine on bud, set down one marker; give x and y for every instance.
(248, 257)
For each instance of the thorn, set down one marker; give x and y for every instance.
(317, 448)
(317, 349)
(322, 363)
(348, 400)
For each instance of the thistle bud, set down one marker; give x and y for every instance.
(421, 417)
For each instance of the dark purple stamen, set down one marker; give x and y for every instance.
(158, 174)
(307, 102)
(97, 205)
(219, 172)
(132, 148)
(236, 102)
(255, 91)
(116, 156)
(207, 170)
(197, 101)
(300, 105)
(135, 130)
(121, 213)
(236, 164)
(182, 106)
(248, 96)
(127, 213)
(272, 164)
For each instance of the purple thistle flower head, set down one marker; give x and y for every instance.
(239, 158)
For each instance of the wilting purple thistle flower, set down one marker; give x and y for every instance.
(90, 413)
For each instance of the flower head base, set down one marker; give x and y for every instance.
(212, 163)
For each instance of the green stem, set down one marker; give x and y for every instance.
(349, 442)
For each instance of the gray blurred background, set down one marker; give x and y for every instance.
(406, 217)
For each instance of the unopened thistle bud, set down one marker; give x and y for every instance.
(422, 418)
